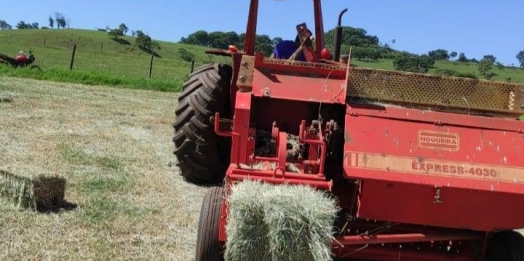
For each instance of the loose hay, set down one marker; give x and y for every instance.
(268, 222)
(266, 147)
(40, 192)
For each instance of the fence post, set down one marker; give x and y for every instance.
(72, 57)
(101, 45)
(192, 65)
(151, 64)
(44, 42)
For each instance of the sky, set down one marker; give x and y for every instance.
(476, 28)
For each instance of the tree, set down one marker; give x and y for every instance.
(23, 25)
(185, 55)
(199, 37)
(115, 33)
(462, 58)
(490, 57)
(264, 45)
(351, 36)
(139, 33)
(231, 38)
(520, 58)
(123, 28)
(277, 40)
(60, 20)
(426, 62)
(453, 55)
(4, 25)
(34, 26)
(217, 40)
(485, 66)
(439, 54)
(359, 53)
(51, 22)
(413, 63)
(145, 42)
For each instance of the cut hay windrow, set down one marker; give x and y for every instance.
(284, 222)
(23, 192)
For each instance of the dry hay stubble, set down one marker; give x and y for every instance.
(113, 148)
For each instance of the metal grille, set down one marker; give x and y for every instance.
(439, 92)
(340, 67)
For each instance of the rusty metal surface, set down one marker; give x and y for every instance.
(436, 92)
(274, 61)
(245, 73)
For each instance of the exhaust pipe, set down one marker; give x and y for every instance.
(338, 36)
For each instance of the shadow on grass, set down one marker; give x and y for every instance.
(121, 41)
(150, 52)
(60, 206)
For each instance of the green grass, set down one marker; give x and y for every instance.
(101, 184)
(100, 60)
(77, 156)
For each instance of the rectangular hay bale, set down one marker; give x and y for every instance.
(279, 222)
(41, 192)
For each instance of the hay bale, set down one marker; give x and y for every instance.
(41, 192)
(16, 190)
(268, 222)
(49, 192)
(6, 99)
(246, 230)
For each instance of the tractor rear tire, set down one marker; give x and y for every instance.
(506, 246)
(208, 247)
(202, 155)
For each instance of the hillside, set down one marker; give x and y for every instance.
(101, 60)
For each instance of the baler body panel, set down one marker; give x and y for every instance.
(294, 81)
(434, 168)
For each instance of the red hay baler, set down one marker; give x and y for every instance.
(424, 167)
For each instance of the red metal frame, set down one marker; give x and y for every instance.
(400, 165)
(251, 29)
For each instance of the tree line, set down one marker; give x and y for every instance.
(362, 45)
(222, 40)
(142, 40)
(59, 20)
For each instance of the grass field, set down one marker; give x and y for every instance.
(114, 148)
(102, 60)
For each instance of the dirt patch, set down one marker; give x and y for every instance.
(113, 147)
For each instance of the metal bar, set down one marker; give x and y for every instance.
(319, 27)
(234, 135)
(282, 153)
(263, 173)
(327, 185)
(400, 238)
(251, 30)
(395, 254)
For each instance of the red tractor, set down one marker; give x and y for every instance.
(428, 163)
